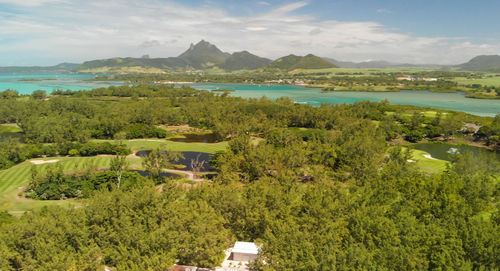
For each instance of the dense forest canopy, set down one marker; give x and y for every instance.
(317, 188)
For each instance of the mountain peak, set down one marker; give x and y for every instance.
(244, 60)
(204, 55)
(292, 62)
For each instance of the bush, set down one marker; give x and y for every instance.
(140, 130)
(73, 152)
(413, 136)
(54, 185)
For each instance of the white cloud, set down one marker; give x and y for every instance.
(250, 28)
(264, 3)
(81, 30)
(384, 11)
(29, 2)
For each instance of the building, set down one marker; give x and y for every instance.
(244, 252)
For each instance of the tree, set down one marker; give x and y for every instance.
(39, 94)
(450, 126)
(197, 166)
(119, 164)
(159, 159)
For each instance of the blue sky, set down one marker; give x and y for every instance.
(46, 32)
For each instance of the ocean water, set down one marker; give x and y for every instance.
(26, 83)
(312, 96)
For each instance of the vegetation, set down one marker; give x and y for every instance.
(55, 185)
(244, 61)
(318, 188)
(429, 222)
(473, 84)
(483, 63)
(293, 62)
(159, 159)
(12, 152)
(202, 55)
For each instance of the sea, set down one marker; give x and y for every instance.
(26, 83)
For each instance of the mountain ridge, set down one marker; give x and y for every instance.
(293, 62)
(486, 63)
(376, 64)
(204, 55)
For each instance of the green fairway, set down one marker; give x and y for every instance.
(9, 128)
(427, 163)
(488, 80)
(145, 144)
(13, 179)
(10, 131)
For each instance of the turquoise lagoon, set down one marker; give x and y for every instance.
(314, 96)
(26, 83)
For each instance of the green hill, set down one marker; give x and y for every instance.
(244, 61)
(204, 55)
(292, 62)
(119, 63)
(63, 67)
(487, 63)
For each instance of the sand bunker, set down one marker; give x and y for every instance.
(40, 162)
(428, 156)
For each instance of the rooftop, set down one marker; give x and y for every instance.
(245, 247)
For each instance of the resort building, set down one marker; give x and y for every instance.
(244, 252)
(238, 257)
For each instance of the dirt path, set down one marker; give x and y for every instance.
(133, 155)
(188, 175)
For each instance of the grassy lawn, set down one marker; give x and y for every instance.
(486, 81)
(10, 128)
(139, 145)
(427, 164)
(427, 114)
(362, 71)
(10, 131)
(12, 179)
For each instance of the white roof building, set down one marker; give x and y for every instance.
(238, 257)
(244, 251)
(245, 247)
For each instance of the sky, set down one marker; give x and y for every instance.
(48, 32)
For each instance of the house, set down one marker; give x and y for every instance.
(244, 252)
(430, 79)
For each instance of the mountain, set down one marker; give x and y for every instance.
(63, 67)
(129, 63)
(204, 55)
(244, 61)
(485, 63)
(372, 64)
(292, 62)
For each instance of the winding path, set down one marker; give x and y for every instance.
(188, 174)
